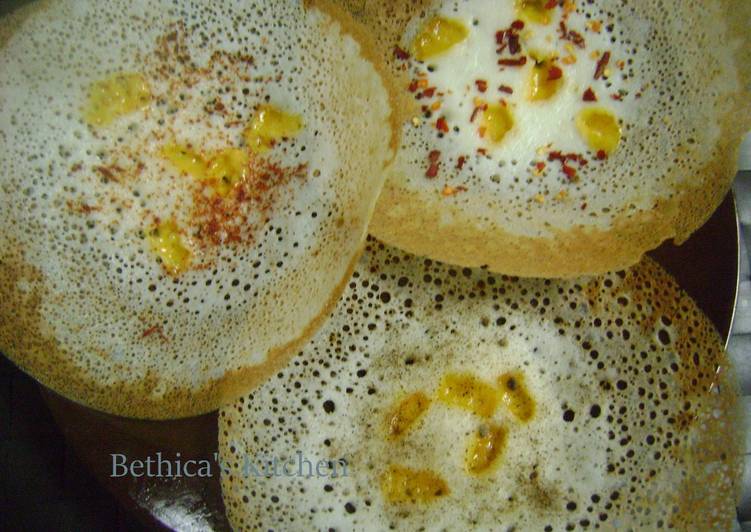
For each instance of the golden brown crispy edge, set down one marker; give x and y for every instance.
(22, 331)
(371, 52)
(570, 253)
(707, 498)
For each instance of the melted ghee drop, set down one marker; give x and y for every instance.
(269, 126)
(227, 168)
(468, 392)
(600, 129)
(534, 11)
(405, 485)
(223, 169)
(515, 396)
(167, 244)
(497, 121)
(485, 448)
(401, 418)
(438, 35)
(186, 160)
(546, 79)
(116, 96)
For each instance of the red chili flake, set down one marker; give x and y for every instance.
(442, 125)
(564, 158)
(506, 89)
(589, 95)
(551, 4)
(460, 162)
(576, 38)
(432, 170)
(554, 73)
(540, 166)
(513, 62)
(433, 156)
(584, 206)
(570, 172)
(509, 38)
(617, 96)
(482, 151)
(476, 111)
(429, 92)
(563, 29)
(482, 85)
(400, 53)
(413, 86)
(601, 155)
(602, 64)
(570, 35)
(513, 44)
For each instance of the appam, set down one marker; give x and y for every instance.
(186, 186)
(455, 399)
(555, 139)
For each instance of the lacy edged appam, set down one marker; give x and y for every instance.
(530, 201)
(186, 188)
(444, 398)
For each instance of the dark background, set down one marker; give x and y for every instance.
(43, 484)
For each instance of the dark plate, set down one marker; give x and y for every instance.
(706, 267)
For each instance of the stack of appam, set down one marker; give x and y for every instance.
(187, 187)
